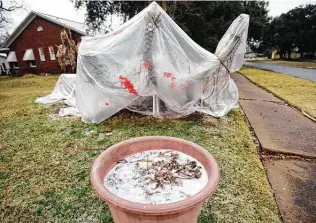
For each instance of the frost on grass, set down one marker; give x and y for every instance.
(156, 177)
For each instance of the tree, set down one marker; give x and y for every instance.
(282, 35)
(295, 29)
(100, 13)
(303, 25)
(204, 22)
(6, 8)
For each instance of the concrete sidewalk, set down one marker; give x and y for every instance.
(282, 129)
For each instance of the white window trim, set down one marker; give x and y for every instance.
(31, 65)
(41, 53)
(15, 66)
(51, 53)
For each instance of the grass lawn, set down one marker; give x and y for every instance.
(295, 91)
(45, 163)
(290, 63)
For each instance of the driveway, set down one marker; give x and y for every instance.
(308, 74)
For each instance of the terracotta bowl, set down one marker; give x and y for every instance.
(124, 211)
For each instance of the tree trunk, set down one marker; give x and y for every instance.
(281, 55)
(164, 5)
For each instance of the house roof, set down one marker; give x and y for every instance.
(75, 26)
(72, 25)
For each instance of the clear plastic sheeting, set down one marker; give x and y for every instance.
(220, 93)
(151, 66)
(70, 111)
(64, 90)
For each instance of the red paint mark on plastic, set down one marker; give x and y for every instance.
(173, 79)
(128, 85)
(61, 82)
(146, 64)
(168, 75)
(106, 103)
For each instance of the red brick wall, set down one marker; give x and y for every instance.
(30, 38)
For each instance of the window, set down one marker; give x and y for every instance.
(51, 53)
(40, 29)
(41, 53)
(32, 63)
(14, 65)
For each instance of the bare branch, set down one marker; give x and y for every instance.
(8, 7)
(12, 5)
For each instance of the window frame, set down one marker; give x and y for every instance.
(40, 29)
(30, 63)
(15, 65)
(41, 53)
(52, 54)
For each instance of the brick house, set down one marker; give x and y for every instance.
(31, 48)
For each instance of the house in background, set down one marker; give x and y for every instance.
(31, 48)
(249, 53)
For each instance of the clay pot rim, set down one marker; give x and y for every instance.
(154, 209)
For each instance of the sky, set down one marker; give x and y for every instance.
(65, 9)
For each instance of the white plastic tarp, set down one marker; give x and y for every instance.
(64, 90)
(151, 66)
(151, 55)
